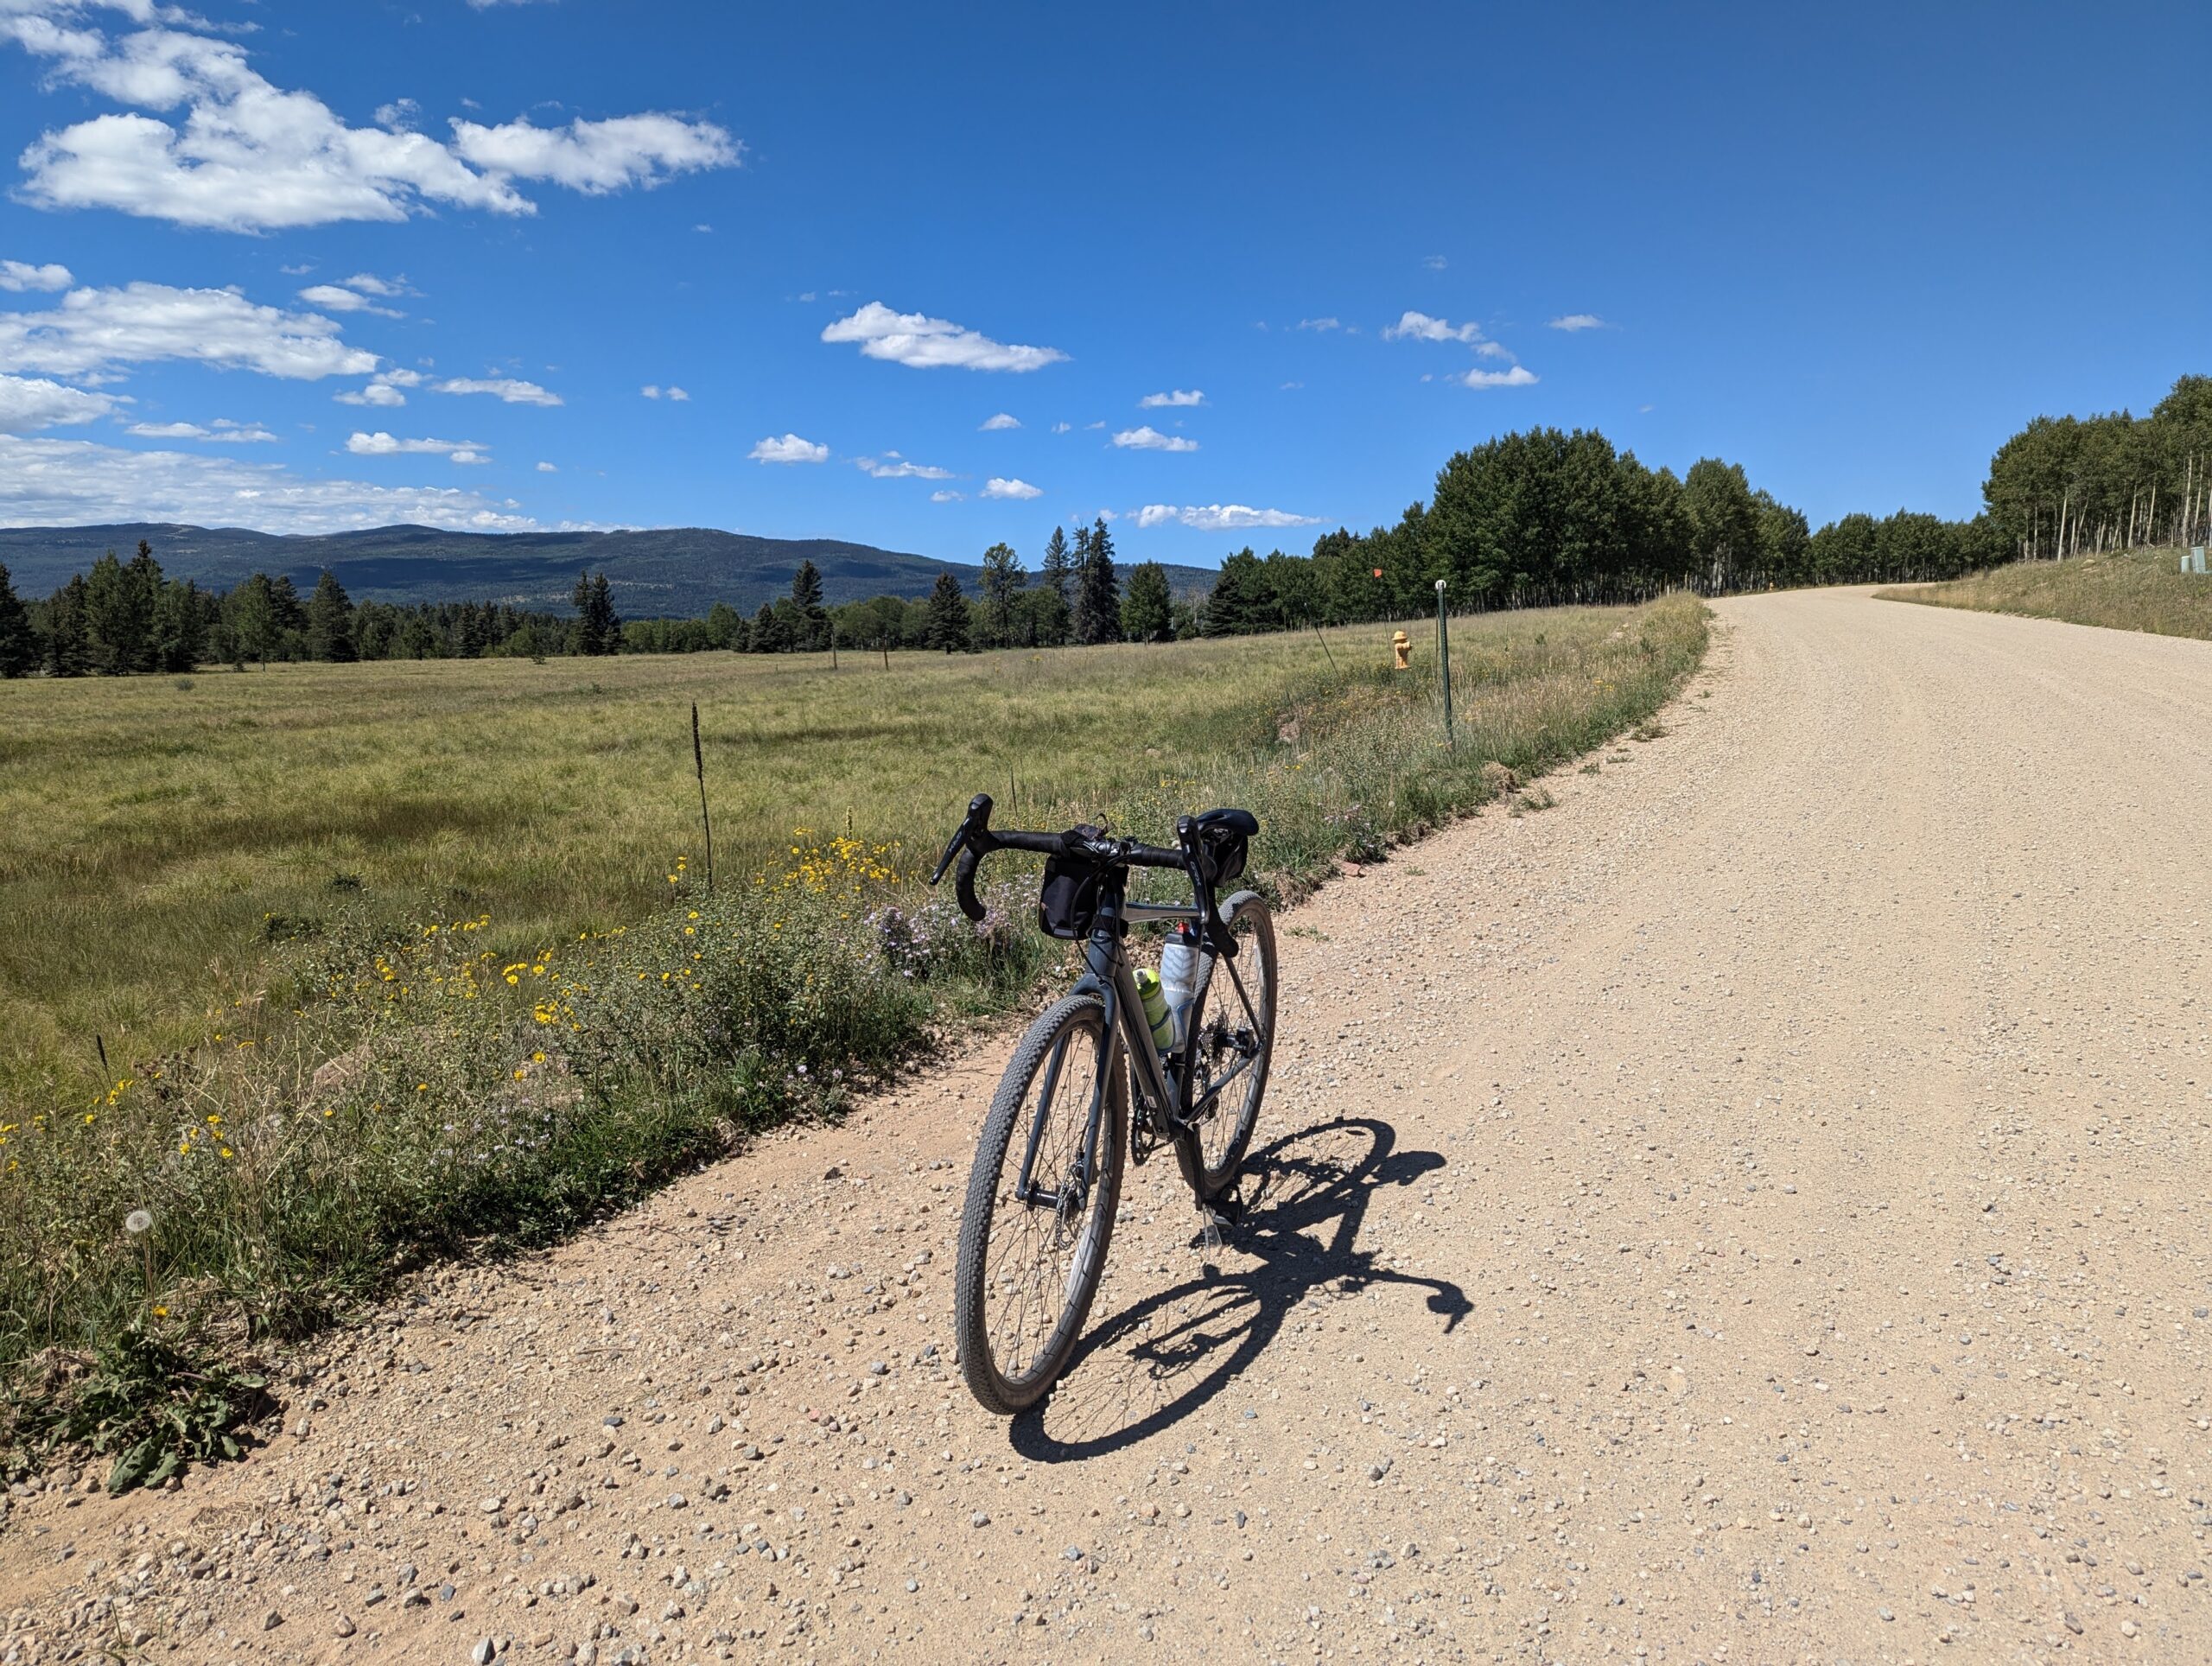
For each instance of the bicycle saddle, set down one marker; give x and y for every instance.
(1233, 821)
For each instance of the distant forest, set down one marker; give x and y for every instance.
(1529, 519)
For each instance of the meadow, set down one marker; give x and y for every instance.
(394, 960)
(2134, 590)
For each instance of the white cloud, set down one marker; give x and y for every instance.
(506, 388)
(1149, 438)
(1579, 320)
(93, 331)
(381, 444)
(1220, 517)
(1434, 263)
(998, 423)
(1494, 350)
(1519, 376)
(1179, 396)
(1420, 327)
(650, 390)
(946, 497)
(547, 468)
(19, 274)
(1322, 325)
(678, 395)
(224, 432)
(31, 402)
(335, 297)
(382, 389)
(370, 283)
(1062, 428)
(249, 156)
(597, 157)
(71, 482)
(927, 343)
(789, 449)
(892, 466)
(1020, 490)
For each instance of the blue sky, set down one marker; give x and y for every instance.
(304, 267)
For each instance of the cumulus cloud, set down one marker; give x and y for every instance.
(336, 297)
(1322, 325)
(547, 468)
(1177, 397)
(892, 466)
(248, 156)
(927, 343)
(1220, 517)
(1021, 490)
(381, 444)
(1577, 320)
(382, 389)
(946, 497)
(654, 390)
(1434, 263)
(998, 423)
(69, 482)
(789, 449)
(1420, 327)
(28, 404)
(92, 332)
(224, 432)
(1149, 438)
(1519, 376)
(505, 388)
(20, 275)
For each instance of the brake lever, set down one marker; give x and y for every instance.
(979, 813)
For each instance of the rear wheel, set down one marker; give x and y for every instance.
(1234, 1038)
(1029, 1263)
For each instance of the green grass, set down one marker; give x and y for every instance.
(2141, 590)
(393, 962)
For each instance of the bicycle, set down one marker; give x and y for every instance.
(1034, 1236)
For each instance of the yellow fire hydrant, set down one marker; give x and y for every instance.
(1401, 645)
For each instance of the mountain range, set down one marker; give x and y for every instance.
(662, 572)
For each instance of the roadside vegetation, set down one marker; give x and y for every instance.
(389, 961)
(2131, 590)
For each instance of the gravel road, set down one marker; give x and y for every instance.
(1754, 1210)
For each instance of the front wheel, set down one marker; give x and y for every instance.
(1233, 1042)
(1032, 1249)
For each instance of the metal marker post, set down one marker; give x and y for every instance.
(1444, 661)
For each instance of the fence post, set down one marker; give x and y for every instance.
(1444, 662)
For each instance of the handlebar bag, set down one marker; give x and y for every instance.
(1067, 904)
(1224, 838)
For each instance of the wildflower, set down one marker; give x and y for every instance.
(139, 1220)
(161, 1313)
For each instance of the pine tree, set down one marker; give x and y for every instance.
(948, 621)
(180, 627)
(330, 621)
(68, 643)
(119, 611)
(767, 636)
(1003, 582)
(19, 643)
(1148, 606)
(1097, 593)
(1242, 598)
(253, 618)
(1059, 565)
(602, 611)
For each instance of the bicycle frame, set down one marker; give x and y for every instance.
(1110, 975)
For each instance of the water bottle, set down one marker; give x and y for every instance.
(1156, 1013)
(1179, 981)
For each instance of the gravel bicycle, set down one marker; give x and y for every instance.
(1046, 1184)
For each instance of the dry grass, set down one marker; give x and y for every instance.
(2141, 590)
(520, 1006)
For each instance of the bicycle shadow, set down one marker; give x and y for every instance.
(1159, 1359)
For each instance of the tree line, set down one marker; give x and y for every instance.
(2071, 485)
(1528, 519)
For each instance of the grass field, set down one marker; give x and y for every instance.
(390, 960)
(2141, 590)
